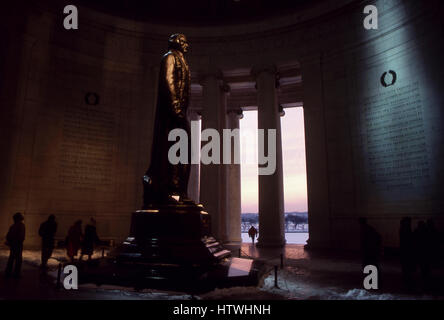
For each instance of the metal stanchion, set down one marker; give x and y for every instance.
(282, 261)
(276, 277)
(59, 275)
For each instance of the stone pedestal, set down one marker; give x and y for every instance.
(171, 234)
(170, 247)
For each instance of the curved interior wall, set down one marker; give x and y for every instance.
(75, 159)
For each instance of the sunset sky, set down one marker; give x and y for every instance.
(293, 143)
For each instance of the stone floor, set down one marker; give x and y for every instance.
(305, 275)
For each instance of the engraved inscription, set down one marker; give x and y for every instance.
(396, 150)
(87, 148)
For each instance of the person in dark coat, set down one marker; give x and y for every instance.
(407, 250)
(47, 231)
(433, 242)
(422, 250)
(252, 233)
(74, 239)
(371, 244)
(14, 239)
(90, 239)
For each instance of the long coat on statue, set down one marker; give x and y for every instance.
(164, 179)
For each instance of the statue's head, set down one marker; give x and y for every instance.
(179, 42)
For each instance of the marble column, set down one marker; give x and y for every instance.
(213, 182)
(194, 181)
(316, 153)
(271, 187)
(234, 183)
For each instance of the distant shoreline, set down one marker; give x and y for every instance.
(290, 212)
(288, 232)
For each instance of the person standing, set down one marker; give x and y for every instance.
(406, 250)
(47, 231)
(90, 239)
(371, 244)
(14, 239)
(74, 239)
(422, 251)
(252, 233)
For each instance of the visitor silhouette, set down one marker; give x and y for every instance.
(422, 249)
(370, 244)
(47, 232)
(252, 232)
(407, 250)
(74, 239)
(14, 239)
(90, 239)
(433, 239)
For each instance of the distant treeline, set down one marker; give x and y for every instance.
(293, 220)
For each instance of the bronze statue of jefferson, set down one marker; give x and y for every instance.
(165, 183)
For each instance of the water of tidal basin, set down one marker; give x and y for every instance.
(292, 238)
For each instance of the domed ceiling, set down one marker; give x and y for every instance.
(198, 12)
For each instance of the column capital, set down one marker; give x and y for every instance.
(281, 110)
(269, 69)
(225, 87)
(311, 59)
(217, 75)
(261, 68)
(238, 112)
(212, 73)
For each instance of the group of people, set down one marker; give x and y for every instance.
(418, 249)
(76, 240)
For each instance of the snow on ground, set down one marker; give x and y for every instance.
(33, 257)
(303, 277)
(123, 293)
(291, 286)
